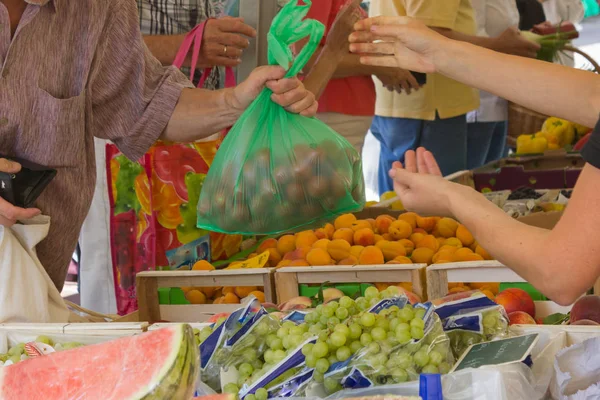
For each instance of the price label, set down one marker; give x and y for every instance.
(254, 262)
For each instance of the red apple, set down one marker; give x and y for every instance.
(587, 307)
(585, 322)
(514, 299)
(520, 318)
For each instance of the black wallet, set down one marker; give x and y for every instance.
(23, 188)
(420, 77)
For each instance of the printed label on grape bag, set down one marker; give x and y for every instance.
(296, 317)
(356, 379)
(340, 366)
(293, 386)
(471, 323)
(246, 327)
(293, 360)
(212, 342)
(466, 305)
(384, 304)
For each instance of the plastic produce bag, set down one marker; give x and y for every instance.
(470, 318)
(277, 171)
(577, 372)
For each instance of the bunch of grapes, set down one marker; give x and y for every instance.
(494, 324)
(17, 352)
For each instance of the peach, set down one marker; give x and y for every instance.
(344, 221)
(382, 223)
(409, 217)
(356, 250)
(364, 237)
(318, 257)
(267, 244)
(515, 299)
(400, 230)
(297, 303)
(286, 243)
(339, 249)
(426, 223)
(332, 294)
(586, 308)
(520, 318)
(447, 227)
(412, 298)
(321, 244)
(408, 246)
(346, 234)
(371, 255)
(465, 237)
(585, 322)
(350, 260)
(361, 224)
(391, 250)
(305, 239)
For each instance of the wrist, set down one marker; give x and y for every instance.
(231, 101)
(445, 54)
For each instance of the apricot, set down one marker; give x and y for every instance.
(321, 234)
(387, 236)
(371, 255)
(453, 242)
(203, 265)
(493, 287)
(196, 297)
(459, 289)
(219, 300)
(461, 254)
(274, 257)
(420, 230)
(244, 291)
(400, 260)
(286, 243)
(298, 254)
(465, 237)
(344, 221)
(321, 244)
(416, 238)
(422, 255)
(444, 255)
(371, 222)
(346, 234)
(305, 239)
(391, 250)
(186, 289)
(483, 253)
(409, 217)
(426, 223)
(318, 257)
(260, 296)
(382, 286)
(429, 241)
(338, 249)
(400, 230)
(218, 293)
(382, 223)
(447, 227)
(378, 238)
(455, 284)
(408, 246)
(329, 229)
(230, 298)
(267, 244)
(441, 240)
(228, 289)
(208, 291)
(474, 246)
(356, 250)
(364, 237)
(361, 224)
(488, 293)
(299, 263)
(350, 260)
(283, 263)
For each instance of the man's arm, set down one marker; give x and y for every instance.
(165, 47)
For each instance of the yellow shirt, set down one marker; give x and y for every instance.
(446, 96)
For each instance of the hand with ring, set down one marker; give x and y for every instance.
(224, 41)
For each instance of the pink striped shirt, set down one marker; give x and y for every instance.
(76, 69)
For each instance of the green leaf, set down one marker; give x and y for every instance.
(556, 319)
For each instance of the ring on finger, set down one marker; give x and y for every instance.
(225, 50)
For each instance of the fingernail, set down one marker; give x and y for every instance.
(392, 173)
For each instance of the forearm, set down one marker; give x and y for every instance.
(538, 85)
(481, 41)
(201, 113)
(539, 256)
(350, 65)
(165, 47)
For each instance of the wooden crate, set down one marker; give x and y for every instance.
(148, 283)
(287, 279)
(440, 275)
(95, 329)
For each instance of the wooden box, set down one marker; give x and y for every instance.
(287, 279)
(148, 283)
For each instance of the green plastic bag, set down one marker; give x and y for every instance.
(277, 171)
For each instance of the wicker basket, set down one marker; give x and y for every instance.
(522, 120)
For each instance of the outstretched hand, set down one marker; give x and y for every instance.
(420, 185)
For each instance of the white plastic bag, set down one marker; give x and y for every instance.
(577, 372)
(27, 294)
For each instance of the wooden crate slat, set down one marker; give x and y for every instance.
(217, 280)
(194, 312)
(484, 274)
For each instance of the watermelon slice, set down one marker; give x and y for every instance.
(161, 364)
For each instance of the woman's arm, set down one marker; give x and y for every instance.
(548, 88)
(562, 263)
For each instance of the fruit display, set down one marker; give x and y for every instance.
(556, 133)
(470, 318)
(161, 364)
(40, 346)
(381, 335)
(525, 200)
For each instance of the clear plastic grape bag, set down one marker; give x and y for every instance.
(277, 171)
(470, 318)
